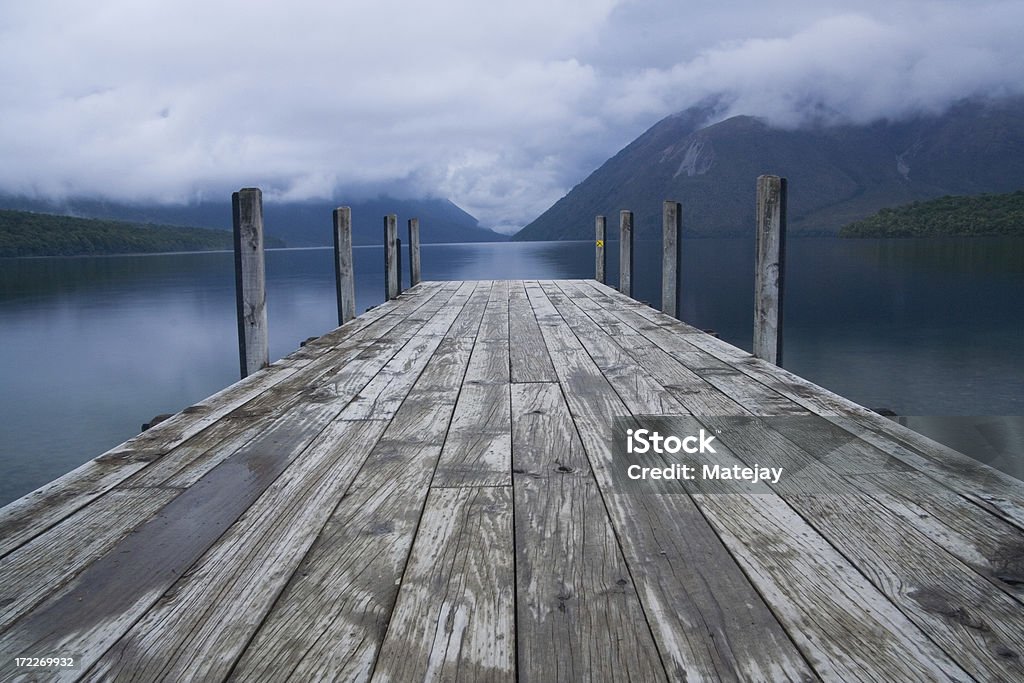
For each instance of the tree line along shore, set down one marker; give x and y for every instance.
(24, 233)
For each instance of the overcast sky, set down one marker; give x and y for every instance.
(500, 106)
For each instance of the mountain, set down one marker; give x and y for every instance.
(976, 215)
(837, 174)
(298, 224)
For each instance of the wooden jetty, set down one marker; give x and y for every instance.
(429, 492)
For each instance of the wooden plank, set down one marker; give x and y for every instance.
(529, 360)
(468, 323)
(579, 616)
(50, 560)
(331, 618)
(39, 510)
(708, 621)
(478, 449)
(455, 614)
(494, 325)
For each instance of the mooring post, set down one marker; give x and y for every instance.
(601, 258)
(414, 252)
(770, 269)
(626, 252)
(344, 275)
(250, 280)
(390, 257)
(398, 254)
(671, 257)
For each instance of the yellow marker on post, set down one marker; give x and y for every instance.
(600, 243)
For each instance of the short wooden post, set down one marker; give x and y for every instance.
(770, 268)
(344, 275)
(414, 252)
(250, 280)
(601, 258)
(626, 252)
(390, 257)
(671, 257)
(398, 265)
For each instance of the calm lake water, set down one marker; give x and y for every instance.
(93, 347)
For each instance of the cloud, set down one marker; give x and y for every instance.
(501, 107)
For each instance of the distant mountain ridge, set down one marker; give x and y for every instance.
(837, 174)
(298, 224)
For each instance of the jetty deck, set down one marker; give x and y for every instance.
(429, 492)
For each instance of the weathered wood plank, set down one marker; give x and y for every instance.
(331, 618)
(50, 560)
(468, 323)
(529, 360)
(455, 614)
(494, 325)
(478, 449)
(579, 616)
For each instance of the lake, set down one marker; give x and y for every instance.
(94, 347)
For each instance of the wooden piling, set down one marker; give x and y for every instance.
(671, 257)
(626, 252)
(398, 254)
(344, 274)
(390, 257)
(414, 252)
(250, 280)
(770, 268)
(601, 257)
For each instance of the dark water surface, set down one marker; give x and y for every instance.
(90, 348)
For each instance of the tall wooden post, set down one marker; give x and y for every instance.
(414, 252)
(626, 252)
(250, 280)
(398, 265)
(600, 256)
(344, 275)
(390, 257)
(770, 268)
(671, 257)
